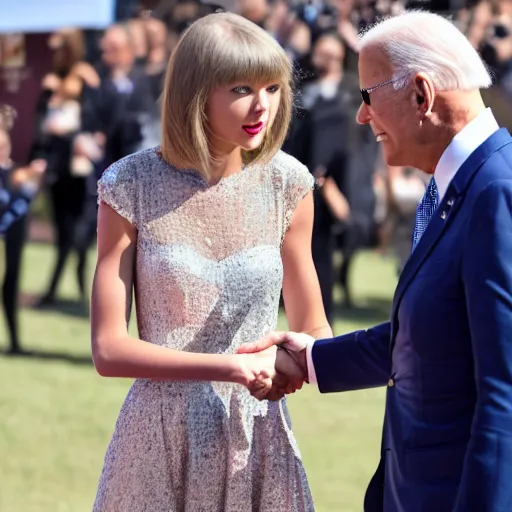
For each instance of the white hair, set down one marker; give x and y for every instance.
(417, 41)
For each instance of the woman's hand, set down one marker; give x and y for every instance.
(270, 373)
(256, 371)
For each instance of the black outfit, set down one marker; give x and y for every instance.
(318, 138)
(120, 109)
(71, 212)
(360, 229)
(14, 205)
(326, 135)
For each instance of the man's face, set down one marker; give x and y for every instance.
(327, 55)
(116, 50)
(391, 113)
(253, 10)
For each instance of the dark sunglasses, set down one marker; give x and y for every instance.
(365, 93)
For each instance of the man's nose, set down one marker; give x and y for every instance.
(363, 114)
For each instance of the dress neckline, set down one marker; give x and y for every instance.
(198, 176)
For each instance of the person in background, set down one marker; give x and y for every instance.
(18, 187)
(60, 114)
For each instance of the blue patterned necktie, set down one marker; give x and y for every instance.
(424, 212)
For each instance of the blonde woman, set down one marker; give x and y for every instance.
(207, 229)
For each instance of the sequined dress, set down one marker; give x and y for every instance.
(208, 278)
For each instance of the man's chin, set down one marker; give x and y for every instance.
(393, 159)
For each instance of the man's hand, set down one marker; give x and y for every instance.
(287, 379)
(291, 365)
(291, 341)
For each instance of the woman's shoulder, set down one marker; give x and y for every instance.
(136, 165)
(293, 182)
(290, 170)
(125, 182)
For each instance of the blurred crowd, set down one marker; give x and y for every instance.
(99, 102)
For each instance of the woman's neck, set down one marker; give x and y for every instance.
(225, 165)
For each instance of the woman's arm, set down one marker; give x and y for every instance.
(116, 354)
(301, 290)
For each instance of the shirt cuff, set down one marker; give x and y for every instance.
(311, 366)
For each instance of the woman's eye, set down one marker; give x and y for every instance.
(245, 89)
(241, 89)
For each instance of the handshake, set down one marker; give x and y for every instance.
(275, 365)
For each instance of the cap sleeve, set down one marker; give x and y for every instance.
(117, 188)
(299, 181)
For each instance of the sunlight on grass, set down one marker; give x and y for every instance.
(58, 414)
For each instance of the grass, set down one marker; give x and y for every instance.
(57, 414)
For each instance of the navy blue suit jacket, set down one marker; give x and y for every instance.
(446, 354)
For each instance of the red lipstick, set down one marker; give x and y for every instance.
(253, 129)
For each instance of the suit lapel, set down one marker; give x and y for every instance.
(448, 208)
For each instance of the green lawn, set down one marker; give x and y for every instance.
(57, 415)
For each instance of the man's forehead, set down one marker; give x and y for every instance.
(374, 66)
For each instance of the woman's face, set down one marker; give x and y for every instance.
(240, 114)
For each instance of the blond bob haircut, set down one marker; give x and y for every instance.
(219, 50)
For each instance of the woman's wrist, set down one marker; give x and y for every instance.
(239, 371)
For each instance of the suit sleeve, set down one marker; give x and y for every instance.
(487, 276)
(358, 360)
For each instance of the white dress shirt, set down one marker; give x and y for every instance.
(475, 133)
(463, 144)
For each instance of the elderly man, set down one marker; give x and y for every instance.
(446, 353)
